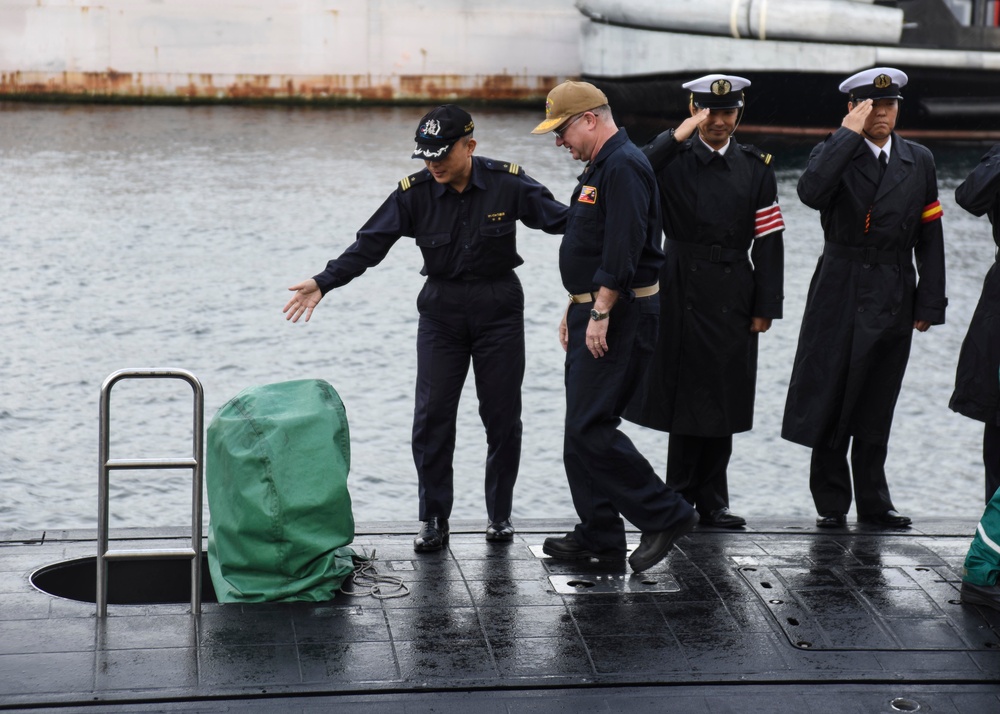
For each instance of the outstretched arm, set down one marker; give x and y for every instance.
(373, 242)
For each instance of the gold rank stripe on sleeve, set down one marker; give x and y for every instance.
(514, 168)
(931, 212)
(404, 183)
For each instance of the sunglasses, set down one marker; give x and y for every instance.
(565, 127)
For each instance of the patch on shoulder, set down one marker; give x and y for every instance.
(406, 183)
(505, 166)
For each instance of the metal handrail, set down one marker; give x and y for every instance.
(195, 463)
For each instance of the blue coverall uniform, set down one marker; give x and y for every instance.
(612, 240)
(471, 308)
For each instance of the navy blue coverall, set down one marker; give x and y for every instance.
(471, 308)
(612, 240)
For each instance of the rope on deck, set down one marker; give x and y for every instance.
(368, 583)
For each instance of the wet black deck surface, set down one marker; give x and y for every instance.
(776, 618)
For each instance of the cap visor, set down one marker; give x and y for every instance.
(709, 105)
(548, 125)
(431, 153)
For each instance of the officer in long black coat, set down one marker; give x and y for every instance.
(864, 300)
(977, 379)
(720, 209)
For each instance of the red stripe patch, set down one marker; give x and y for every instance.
(768, 220)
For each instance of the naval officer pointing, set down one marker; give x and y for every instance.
(462, 212)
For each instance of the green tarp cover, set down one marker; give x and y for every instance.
(280, 515)
(982, 563)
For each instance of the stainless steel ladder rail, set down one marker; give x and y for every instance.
(107, 465)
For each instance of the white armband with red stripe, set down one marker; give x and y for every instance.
(768, 220)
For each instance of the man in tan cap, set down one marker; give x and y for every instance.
(609, 261)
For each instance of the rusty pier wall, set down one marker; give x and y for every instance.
(287, 51)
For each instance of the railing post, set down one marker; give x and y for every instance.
(107, 464)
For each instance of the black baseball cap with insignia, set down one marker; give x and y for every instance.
(876, 83)
(717, 91)
(439, 130)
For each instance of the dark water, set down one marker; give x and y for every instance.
(166, 237)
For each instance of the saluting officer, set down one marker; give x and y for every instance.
(461, 211)
(878, 201)
(719, 201)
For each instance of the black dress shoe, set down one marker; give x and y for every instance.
(433, 535)
(889, 519)
(985, 595)
(831, 520)
(723, 518)
(567, 548)
(653, 547)
(500, 531)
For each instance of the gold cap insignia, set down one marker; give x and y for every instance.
(882, 81)
(721, 87)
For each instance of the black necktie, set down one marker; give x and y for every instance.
(883, 161)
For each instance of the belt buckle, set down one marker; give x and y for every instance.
(716, 254)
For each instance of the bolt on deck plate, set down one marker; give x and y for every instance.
(592, 584)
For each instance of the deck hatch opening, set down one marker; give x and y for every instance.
(129, 582)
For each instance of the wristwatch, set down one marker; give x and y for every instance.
(598, 316)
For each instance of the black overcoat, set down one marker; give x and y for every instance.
(702, 377)
(977, 384)
(864, 296)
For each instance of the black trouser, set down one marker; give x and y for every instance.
(830, 478)
(607, 474)
(696, 468)
(481, 321)
(991, 458)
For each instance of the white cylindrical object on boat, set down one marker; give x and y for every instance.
(811, 20)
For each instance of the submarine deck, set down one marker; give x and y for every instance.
(776, 617)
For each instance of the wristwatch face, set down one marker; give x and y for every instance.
(595, 315)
